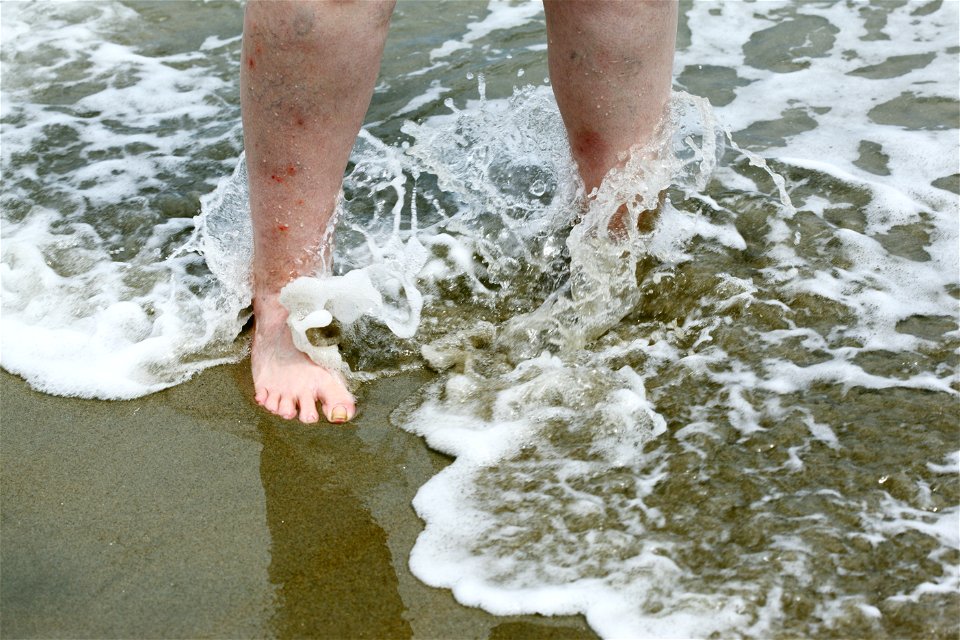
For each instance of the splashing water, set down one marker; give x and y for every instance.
(741, 420)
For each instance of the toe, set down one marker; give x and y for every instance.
(261, 395)
(271, 402)
(287, 409)
(338, 404)
(308, 410)
(340, 411)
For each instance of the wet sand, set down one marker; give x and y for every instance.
(192, 513)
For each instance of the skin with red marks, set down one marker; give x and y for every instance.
(588, 143)
(316, 66)
(610, 67)
(317, 61)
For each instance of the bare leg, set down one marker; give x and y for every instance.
(308, 72)
(611, 64)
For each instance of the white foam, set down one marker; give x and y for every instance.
(431, 96)
(563, 418)
(951, 466)
(91, 307)
(314, 302)
(501, 15)
(826, 83)
(85, 331)
(881, 290)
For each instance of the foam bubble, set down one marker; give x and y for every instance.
(98, 301)
(740, 421)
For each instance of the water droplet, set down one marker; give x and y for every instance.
(469, 75)
(520, 73)
(538, 188)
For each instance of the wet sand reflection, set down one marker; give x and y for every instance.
(329, 558)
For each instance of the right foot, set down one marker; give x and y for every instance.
(288, 383)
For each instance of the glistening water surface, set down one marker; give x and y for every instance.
(743, 421)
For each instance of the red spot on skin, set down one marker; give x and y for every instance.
(588, 142)
(300, 202)
(251, 63)
(282, 227)
(291, 170)
(258, 49)
(300, 121)
(276, 178)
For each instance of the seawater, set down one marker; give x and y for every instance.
(740, 422)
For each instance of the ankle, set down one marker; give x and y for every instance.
(267, 307)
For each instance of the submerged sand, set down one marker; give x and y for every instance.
(193, 513)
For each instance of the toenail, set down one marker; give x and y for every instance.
(339, 414)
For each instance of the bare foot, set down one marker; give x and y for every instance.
(287, 382)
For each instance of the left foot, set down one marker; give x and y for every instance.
(288, 383)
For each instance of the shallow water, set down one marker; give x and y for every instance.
(742, 422)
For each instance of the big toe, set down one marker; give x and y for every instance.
(338, 405)
(340, 412)
(337, 402)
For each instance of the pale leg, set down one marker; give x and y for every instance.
(611, 65)
(308, 73)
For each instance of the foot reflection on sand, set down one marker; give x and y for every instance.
(326, 546)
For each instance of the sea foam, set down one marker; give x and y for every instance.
(741, 421)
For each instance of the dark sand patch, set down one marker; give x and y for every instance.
(192, 513)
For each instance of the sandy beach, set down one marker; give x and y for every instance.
(191, 513)
(739, 422)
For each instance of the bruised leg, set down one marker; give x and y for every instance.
(611, 65)
(308, 72)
